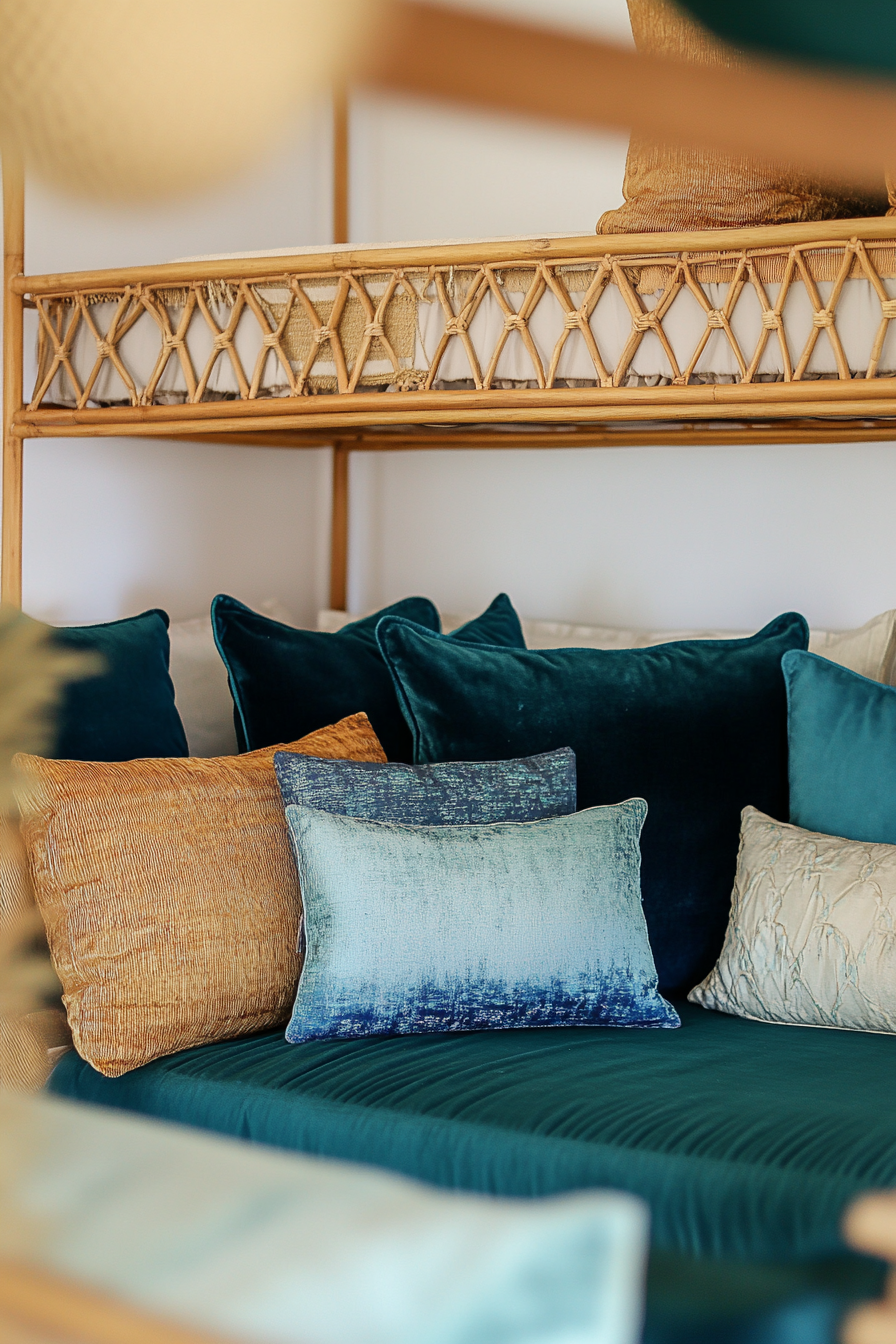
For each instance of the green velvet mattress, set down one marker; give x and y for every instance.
(747, 1140)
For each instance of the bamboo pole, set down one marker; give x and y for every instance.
(339, 529)
(838, 127)
(37, 1306)
(597, 435)
(848, 397)
(555, 250)
(13, 446)
(341, 111)
(855, 409)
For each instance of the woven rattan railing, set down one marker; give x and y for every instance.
(359, 328)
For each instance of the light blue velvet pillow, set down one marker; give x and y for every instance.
(841, 733)
(452, 793)
(462, 928)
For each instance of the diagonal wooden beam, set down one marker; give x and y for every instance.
(842, 128)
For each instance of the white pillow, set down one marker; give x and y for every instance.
(810, 939)
(870, 650)
(206, 707)
(243, 1241)
(201, 692)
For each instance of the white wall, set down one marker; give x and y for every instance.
(678, 536)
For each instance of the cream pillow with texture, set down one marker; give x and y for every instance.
(811, 940)
(870, 650)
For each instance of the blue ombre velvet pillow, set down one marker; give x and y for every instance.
(287, 682)
(698, 728)
(464, 928)
(841, 731)
(454, 793)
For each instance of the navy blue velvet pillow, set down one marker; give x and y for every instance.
(128, 710)
(287, 682)
(697, 728)
(454, 793)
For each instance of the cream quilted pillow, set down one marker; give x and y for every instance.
(812, 936)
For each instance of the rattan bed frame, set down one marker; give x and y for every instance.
(424, 415)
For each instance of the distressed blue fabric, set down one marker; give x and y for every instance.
(454, 793)
(841, 734)
(463, 928)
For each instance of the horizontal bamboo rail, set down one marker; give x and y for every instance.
(665, 434)
(488, 252)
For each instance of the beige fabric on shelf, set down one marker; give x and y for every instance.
(669, 188)
(169, 894)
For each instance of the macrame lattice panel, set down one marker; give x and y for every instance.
(767, 314)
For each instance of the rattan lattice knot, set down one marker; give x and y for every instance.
(771, 321)
(714, 318)
(823, 318)
(888, 308)
(644, 321)
(374, 331)
(513, 322)
(322, 334)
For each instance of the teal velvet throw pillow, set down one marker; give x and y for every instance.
(464, 928)
(127, 710)
(287, 682)
(841, 731)
(454, 793)
(698, 728)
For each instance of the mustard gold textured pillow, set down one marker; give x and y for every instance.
(668, 187)
(169, 894)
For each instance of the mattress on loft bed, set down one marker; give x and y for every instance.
(414, 323)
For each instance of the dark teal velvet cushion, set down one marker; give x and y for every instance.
(287, 682)
(861, 34)
(698, 728)
(127, 711)
(841, 731)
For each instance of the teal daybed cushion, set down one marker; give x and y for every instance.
(746, 1139)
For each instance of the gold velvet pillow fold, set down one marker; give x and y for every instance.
(669, 188)
(169, 894)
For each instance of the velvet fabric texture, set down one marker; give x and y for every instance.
(464, 928)
(127, 710)
(169, 894)
(287, 682)
(810, 938)
(747, 1141)
(455, 793)
(841, 731)
(697, 728)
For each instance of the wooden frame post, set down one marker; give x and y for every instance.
(339, 529)
(13, 309)
(340, 164)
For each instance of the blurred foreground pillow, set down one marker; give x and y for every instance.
(241, 1241)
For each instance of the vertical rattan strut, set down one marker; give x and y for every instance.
(13, 306)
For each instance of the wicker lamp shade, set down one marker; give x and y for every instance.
(153, 97)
